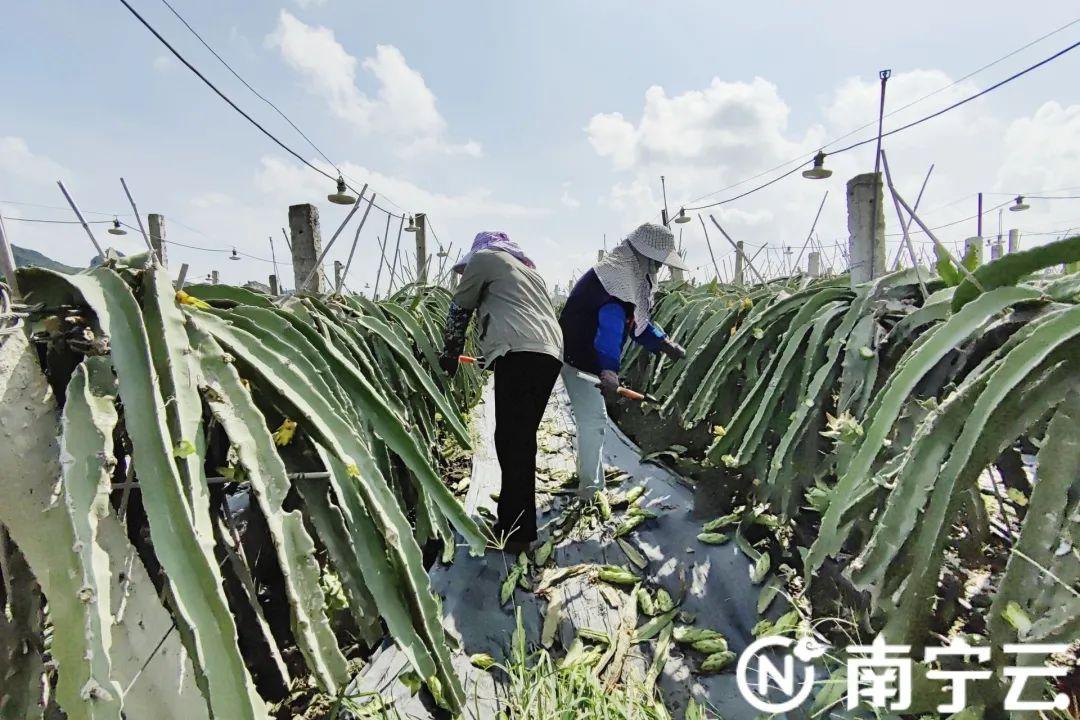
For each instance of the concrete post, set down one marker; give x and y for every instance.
(215, 277)
(813, 264)
(421, 248)
(157, 236)
(677, 275)
(306, 246)
(974, 245)
(739, 278)
(274, 286)
(1014, 241)
(338, 279)
(866, 228)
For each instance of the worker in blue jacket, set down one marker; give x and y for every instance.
(611, 302)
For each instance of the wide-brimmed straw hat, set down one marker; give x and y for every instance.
(657, 243)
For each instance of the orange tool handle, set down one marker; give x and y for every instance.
(630, 394)
(466, 359)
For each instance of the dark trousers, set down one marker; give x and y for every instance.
(523, 383)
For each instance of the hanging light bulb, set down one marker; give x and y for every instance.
(411, 227)
(682, 217)
(341, 197)
(116, 229)
(818, 172)
(1019, 205)
(234, 256)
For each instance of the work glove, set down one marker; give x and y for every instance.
(673, 350)
(457, 322)
(449, 364)
(609, 384)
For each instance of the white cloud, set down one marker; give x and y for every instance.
(308, 4)
(733, 123)
(1032, 163)
(454, 218)
(403, 106)
(212, 199)
(567, 199)
(612, 136)
(707, 139)
(19, 165)
(287, 182)
(164, 63)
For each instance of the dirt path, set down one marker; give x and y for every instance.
(712, 581)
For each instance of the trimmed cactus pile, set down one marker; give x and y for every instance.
(139, 426)
(924, 447)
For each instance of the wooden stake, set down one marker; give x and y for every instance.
(394, 265)
(937, 243)
(708, 244)
(813, 225)
(82, 221)
(356, 238)
(182, 277)
(907, 226)
(738, 249)
(903, 226)
(7, 264)
(138, 218)
(382, 254)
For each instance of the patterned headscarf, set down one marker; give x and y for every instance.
(493, 241)
(631, 277)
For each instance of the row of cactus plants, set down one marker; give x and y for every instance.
(120, 400)
(867, 419)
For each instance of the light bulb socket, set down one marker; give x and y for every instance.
(1019, 205)
(819, 171)
(342, 196)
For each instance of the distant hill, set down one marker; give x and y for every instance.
(24, 257)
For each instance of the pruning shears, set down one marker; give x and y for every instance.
(625, 392)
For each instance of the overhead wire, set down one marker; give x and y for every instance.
(965, 101)
(889, 133)
(232, 104)
(214, 250)
(63, 207)
(248, 85)
(893, 112)
(57, 222)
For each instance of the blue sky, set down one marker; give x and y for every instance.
(552, 121)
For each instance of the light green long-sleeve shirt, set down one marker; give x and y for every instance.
(513, 309)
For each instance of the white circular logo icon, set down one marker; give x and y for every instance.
(760, 680)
